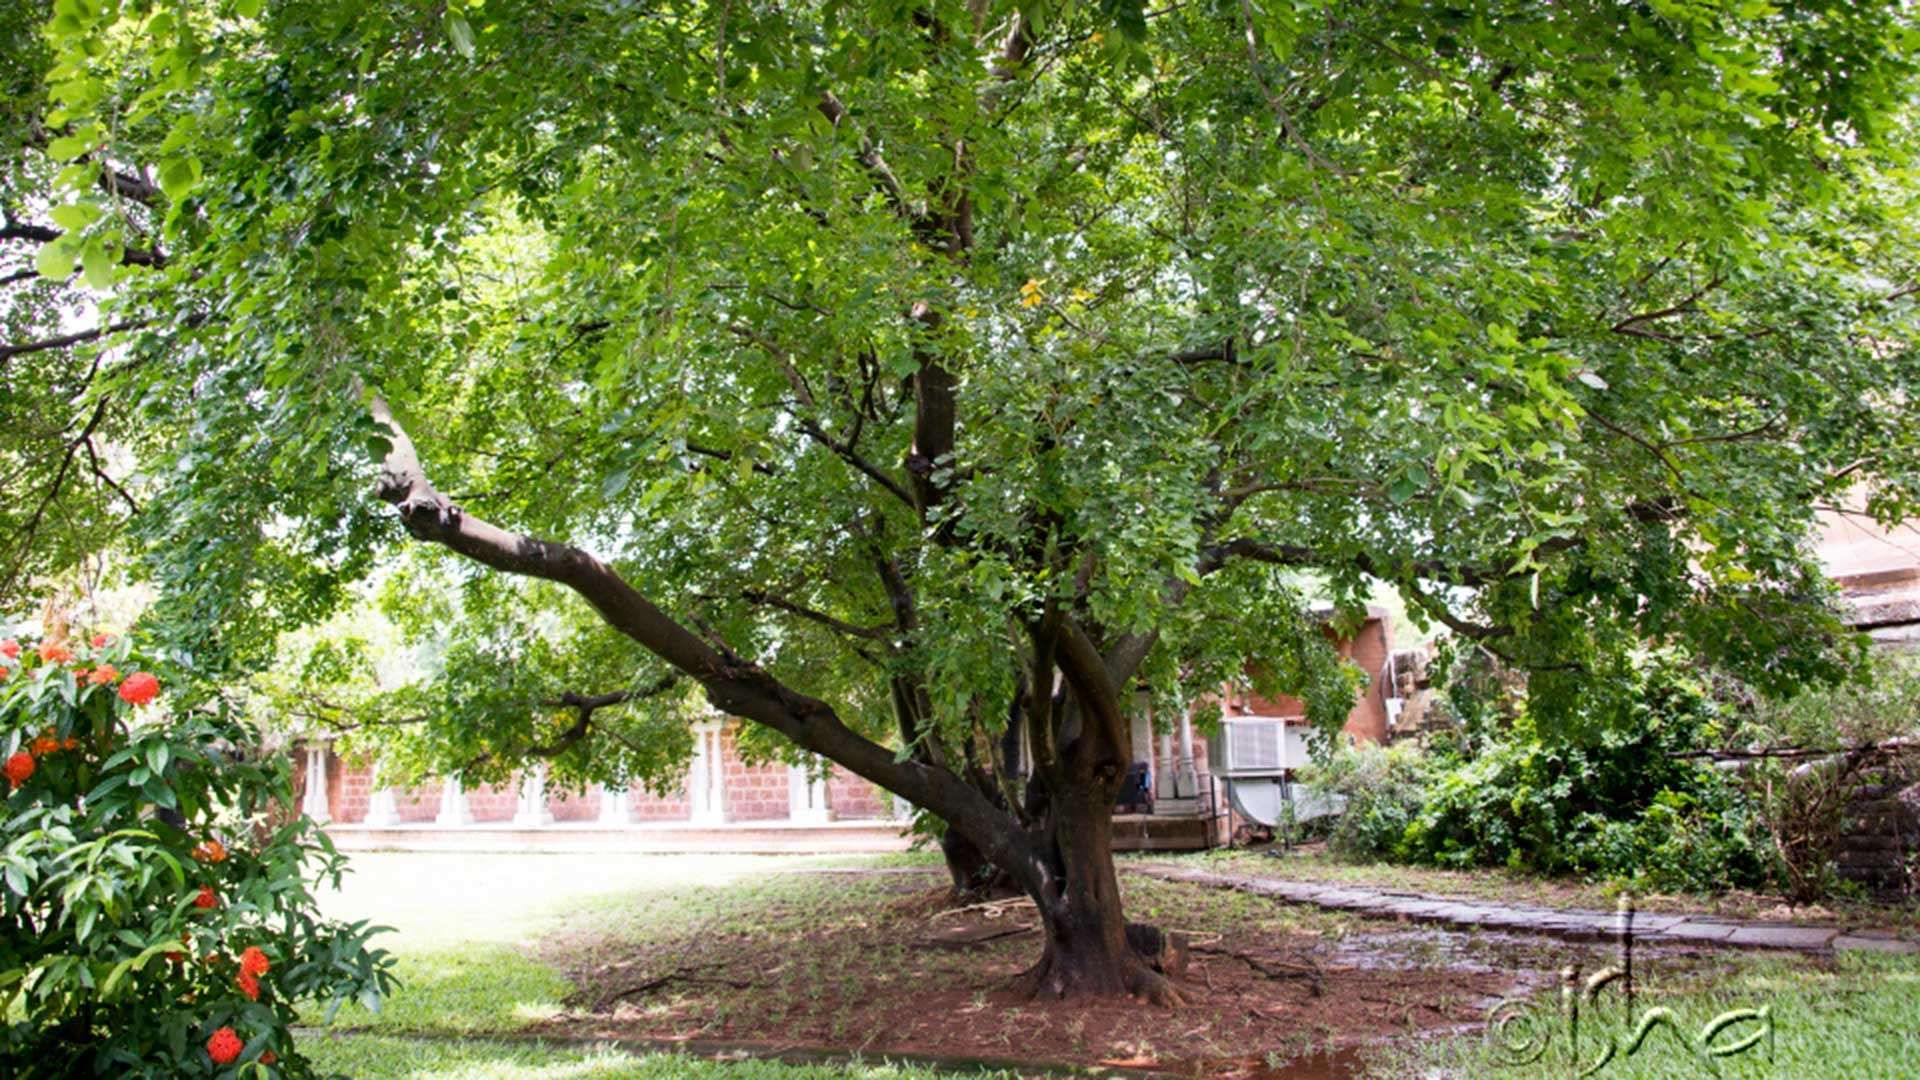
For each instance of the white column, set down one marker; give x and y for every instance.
(707, 778)
(314, 803)
(1141, 729)
(1164, 783)
(616, 805)
(807, 794)
(382, 810)
(530, 812)
(453, 804)
(1187, 783)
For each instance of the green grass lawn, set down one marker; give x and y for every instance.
(464, 927)
(1856, 1017)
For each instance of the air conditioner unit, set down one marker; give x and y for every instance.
(1250, 746)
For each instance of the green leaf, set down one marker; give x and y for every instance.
(74, 215)
(67, 148)
(460, 32)
(54, 261)
(97, 265)
(178, 176)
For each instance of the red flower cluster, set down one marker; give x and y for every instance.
(207, 898)
(139, 688)
(100, 640)
(55, 653)
(103, 674)
(224, 1046)
(249, 985)
(9, 648)
(253, 961)
(19, 767)
(212, 851)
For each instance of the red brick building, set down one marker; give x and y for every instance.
(721, 793)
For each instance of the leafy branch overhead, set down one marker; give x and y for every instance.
(924, 384)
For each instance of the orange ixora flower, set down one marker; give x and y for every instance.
(210, 851)
(268, 1057)
(139, 688)
(249, 985)
(254, 961)
(207, 897)
(100, 640)
(55, 653)
(224, 1046)
(9, 648)
(44, 745)
(105, 673)
(19, 767)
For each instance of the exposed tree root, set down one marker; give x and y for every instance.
(680, 974)
(1273, 969)
(1148, 985)
(961, 944)
(1145, 976)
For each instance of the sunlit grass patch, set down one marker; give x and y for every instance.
(1853, 1017)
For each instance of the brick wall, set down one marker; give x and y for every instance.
(1368, 650)
(753, 793)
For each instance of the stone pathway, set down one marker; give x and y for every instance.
(1565, 923)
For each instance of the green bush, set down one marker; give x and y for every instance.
(1618, 805)
(156, 917)
(1384, 788)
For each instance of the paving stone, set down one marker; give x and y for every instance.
(1577, 928)
(1345, 898)
(1654, 924)
(1509, 919)
(1416, 909)
(1690, 930)
(1784, 937)
(1462, 914)
(1572, 923)
(1876, 943)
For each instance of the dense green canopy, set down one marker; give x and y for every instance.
(896, 356)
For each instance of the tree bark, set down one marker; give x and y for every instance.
(1091, 951)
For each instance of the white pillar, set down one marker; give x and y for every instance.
(616, 806)
(1164, 783)
(530, 811)
(314, 803)
(382, 810)
(807, 799)
(453, 804)
(1187, 783)
(707, 777)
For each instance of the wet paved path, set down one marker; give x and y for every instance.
(1567, 923)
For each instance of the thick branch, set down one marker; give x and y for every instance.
(732, 686)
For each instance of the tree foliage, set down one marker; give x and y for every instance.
(884, 369)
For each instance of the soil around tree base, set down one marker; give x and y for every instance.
(881, 966)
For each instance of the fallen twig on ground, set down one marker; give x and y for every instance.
(970, 942)
(1272, 969)
(680, 974)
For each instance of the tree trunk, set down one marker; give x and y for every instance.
(1090, 949)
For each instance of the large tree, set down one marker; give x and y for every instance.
(922, 382)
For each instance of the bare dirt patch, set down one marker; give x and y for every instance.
(875, 964)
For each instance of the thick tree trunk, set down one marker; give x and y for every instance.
(1090, 949)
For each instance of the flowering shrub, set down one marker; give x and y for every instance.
(156, 906)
